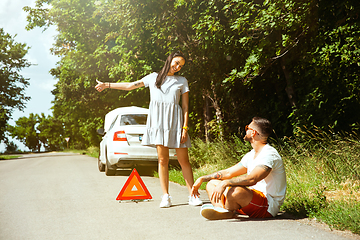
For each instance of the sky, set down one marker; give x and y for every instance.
(13, 21)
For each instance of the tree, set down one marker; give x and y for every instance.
(11, 147)
(12, 84)
(25, 131)
(50, 133)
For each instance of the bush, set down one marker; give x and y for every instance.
(223, 154)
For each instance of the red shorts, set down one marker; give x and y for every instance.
(257, 208)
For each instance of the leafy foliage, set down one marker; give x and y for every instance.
(25, 132)
(11, 147)
(12, 84)
(293, 62)
(51, 133)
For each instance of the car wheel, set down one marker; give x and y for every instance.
(101, 166)
(108, 171)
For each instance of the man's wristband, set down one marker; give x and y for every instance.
(186, 128)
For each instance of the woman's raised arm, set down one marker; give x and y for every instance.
(127, 86)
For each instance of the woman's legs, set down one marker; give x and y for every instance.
(183, 158)
(163, 167)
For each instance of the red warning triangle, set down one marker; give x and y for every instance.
(134, 188)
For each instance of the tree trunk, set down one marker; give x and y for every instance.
(218, 112)
(289, 89)
(289, 83)
(207, 118)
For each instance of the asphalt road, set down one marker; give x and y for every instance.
(64, 196)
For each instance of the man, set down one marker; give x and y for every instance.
(259, 193)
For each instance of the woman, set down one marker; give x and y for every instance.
(167, 123)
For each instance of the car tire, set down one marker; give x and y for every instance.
(101, 166)
(108, 171)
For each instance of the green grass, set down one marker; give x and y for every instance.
(342, 214)
(7, 157)
(93, 152)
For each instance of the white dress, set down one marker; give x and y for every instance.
(165, 121)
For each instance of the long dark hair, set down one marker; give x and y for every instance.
(165, 70)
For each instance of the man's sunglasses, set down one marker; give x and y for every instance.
(249, 128)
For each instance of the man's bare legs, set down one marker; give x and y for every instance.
(236, 197)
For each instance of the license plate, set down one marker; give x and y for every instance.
(140, 137)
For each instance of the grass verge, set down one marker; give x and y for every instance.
(7, 157)
(91, 151)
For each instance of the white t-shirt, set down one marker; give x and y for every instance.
(274, 185)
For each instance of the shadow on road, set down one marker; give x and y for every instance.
(146, 171)
(280, 216)
(143, 171)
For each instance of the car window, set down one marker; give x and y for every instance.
(133, 119)
(113, 123)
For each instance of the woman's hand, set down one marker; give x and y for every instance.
(184, 136)
(100, 86)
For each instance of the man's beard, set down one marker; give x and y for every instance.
(246, 138)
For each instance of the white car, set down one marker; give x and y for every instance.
(121, 146)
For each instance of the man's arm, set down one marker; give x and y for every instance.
(229, 173)
(259, 173)
(207, 178)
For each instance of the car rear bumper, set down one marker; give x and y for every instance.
(131, 161)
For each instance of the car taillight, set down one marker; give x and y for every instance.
(119, 136)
